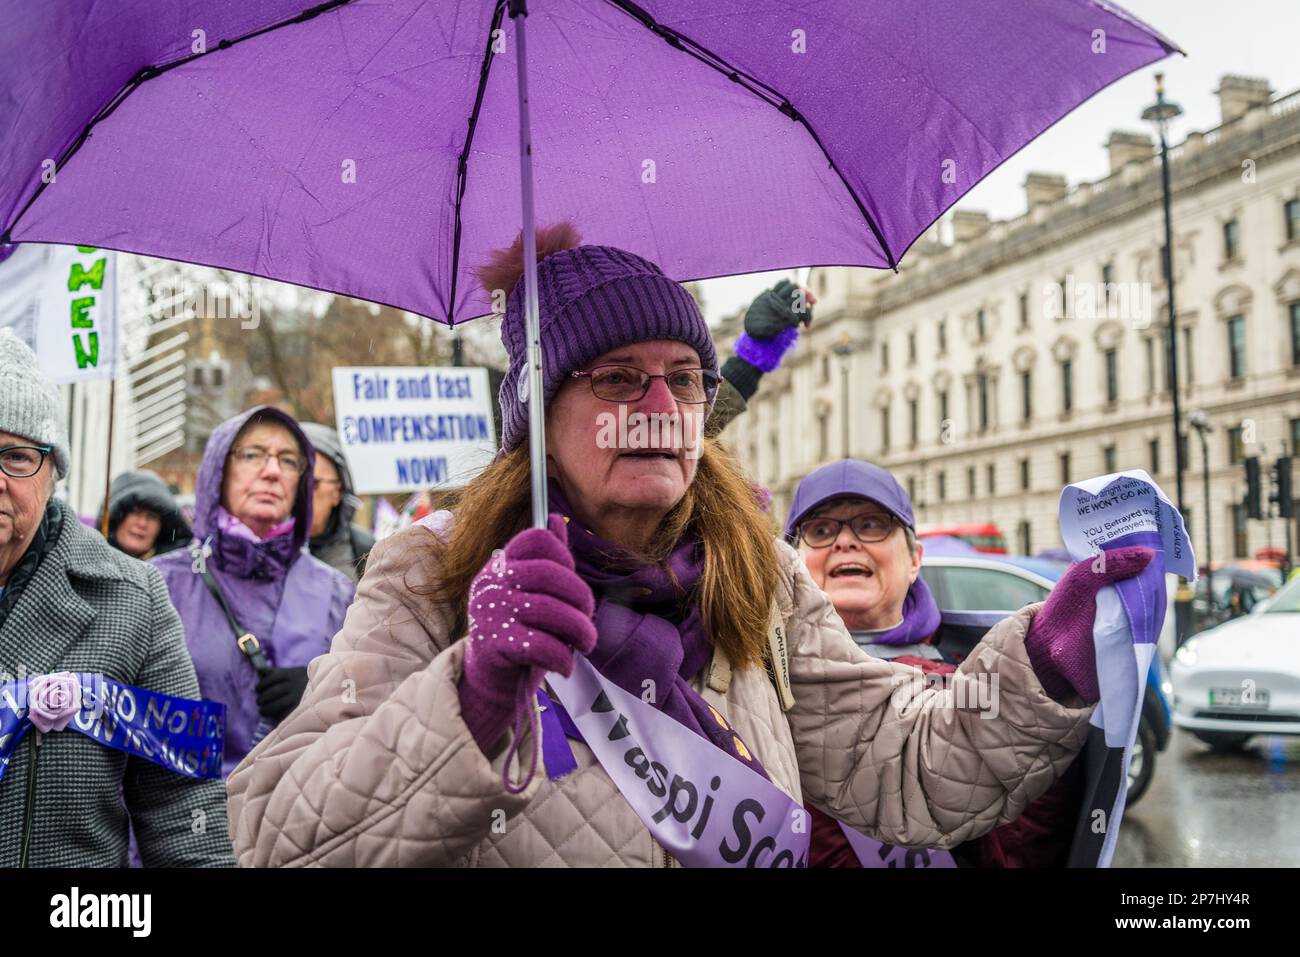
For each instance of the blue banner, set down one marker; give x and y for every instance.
(180, 734)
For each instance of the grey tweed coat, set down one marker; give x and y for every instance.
(91, 608)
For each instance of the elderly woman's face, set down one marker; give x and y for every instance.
(589, 454)
(23, 500)
(257, 488)
(866, 581)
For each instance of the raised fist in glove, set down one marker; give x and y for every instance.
(772, 324)
(528, 612)
(1059, 641)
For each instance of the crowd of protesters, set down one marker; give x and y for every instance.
(357, 675)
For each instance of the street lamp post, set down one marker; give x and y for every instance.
(1160, 113)
(844, 348)
(1201, 423)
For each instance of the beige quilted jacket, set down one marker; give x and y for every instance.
(377, 768)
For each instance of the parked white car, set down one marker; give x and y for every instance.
(1243, 677)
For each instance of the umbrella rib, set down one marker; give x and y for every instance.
(462, 164)
(148, 73)
(766, 92)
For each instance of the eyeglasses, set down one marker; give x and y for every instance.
(630, 384)
(254, 458)
(23, 461)
(868, 528)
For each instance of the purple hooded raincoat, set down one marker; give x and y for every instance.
(292, 602)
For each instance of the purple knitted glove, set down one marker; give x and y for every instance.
(1060, 636)
(528, 611)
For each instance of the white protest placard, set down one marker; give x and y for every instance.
(1108, 512)
(408, 429)
(62, 301)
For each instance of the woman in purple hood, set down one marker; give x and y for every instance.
(252, 516)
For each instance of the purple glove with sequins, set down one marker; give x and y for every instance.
(1059, 642)
(528, 612)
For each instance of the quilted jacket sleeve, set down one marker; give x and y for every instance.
(921, 763)
(376, 766)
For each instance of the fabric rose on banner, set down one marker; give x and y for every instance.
(53, 700)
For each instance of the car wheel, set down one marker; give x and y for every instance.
(1142, 762)
(1223, 740)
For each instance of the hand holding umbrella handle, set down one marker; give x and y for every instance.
(529, 611)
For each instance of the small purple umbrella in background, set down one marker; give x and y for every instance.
(379, 149)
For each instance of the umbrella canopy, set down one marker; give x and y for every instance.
(372, 149)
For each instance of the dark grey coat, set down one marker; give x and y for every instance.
(91, 608)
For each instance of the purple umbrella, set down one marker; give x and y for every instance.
(373, 149)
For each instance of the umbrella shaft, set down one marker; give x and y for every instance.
(533, 368)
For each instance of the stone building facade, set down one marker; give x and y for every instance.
(1020, 355)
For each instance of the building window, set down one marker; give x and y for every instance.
(1236, 347)
(1026, 396)
(970, 481)
(1024, 475)
(1295, 436)
(943, 412)
(982, 390)
(884, 428)
(1067, 385)
(981, 325)
(991, 474)
(1108, 284)
(1112, 375)
(1024, 310)
(1150, 344)
(1292, 215)
(913, 421)
(1294, 309)
(1169, 366)
(1153, 450)
(1108, 458)
(1065, 468)
(1239, 545)
(826, 369)
(1236, 446)
(1061, 285)
(1023, 538)
(218, 377)
(1231, 240)
(911, 347)
(943, 486)
(823, 437)
(1188, 356)
(911, 488)
(943, 337)
(197, 376)
(884, 357)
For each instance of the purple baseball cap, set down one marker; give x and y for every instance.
(849, 477)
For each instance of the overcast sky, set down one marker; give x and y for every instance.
(1252, 37)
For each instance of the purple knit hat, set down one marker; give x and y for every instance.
(592, 299)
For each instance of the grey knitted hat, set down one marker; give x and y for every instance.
(29, 401)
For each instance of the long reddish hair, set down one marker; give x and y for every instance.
(740, 569)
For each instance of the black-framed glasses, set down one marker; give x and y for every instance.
(253, 457)
(615, 383)
(869, 528)
(23, 461)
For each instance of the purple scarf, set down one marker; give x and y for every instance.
(920, 618)
(649, 627)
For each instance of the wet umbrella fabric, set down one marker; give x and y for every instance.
(373, 149)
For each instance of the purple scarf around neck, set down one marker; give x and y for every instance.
(920, 618)
(649, 627)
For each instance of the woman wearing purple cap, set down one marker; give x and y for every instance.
(658, 580)
(854, 528)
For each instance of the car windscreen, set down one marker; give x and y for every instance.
(1287, 600)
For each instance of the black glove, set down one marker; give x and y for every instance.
(279, 690)
(782, 307)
